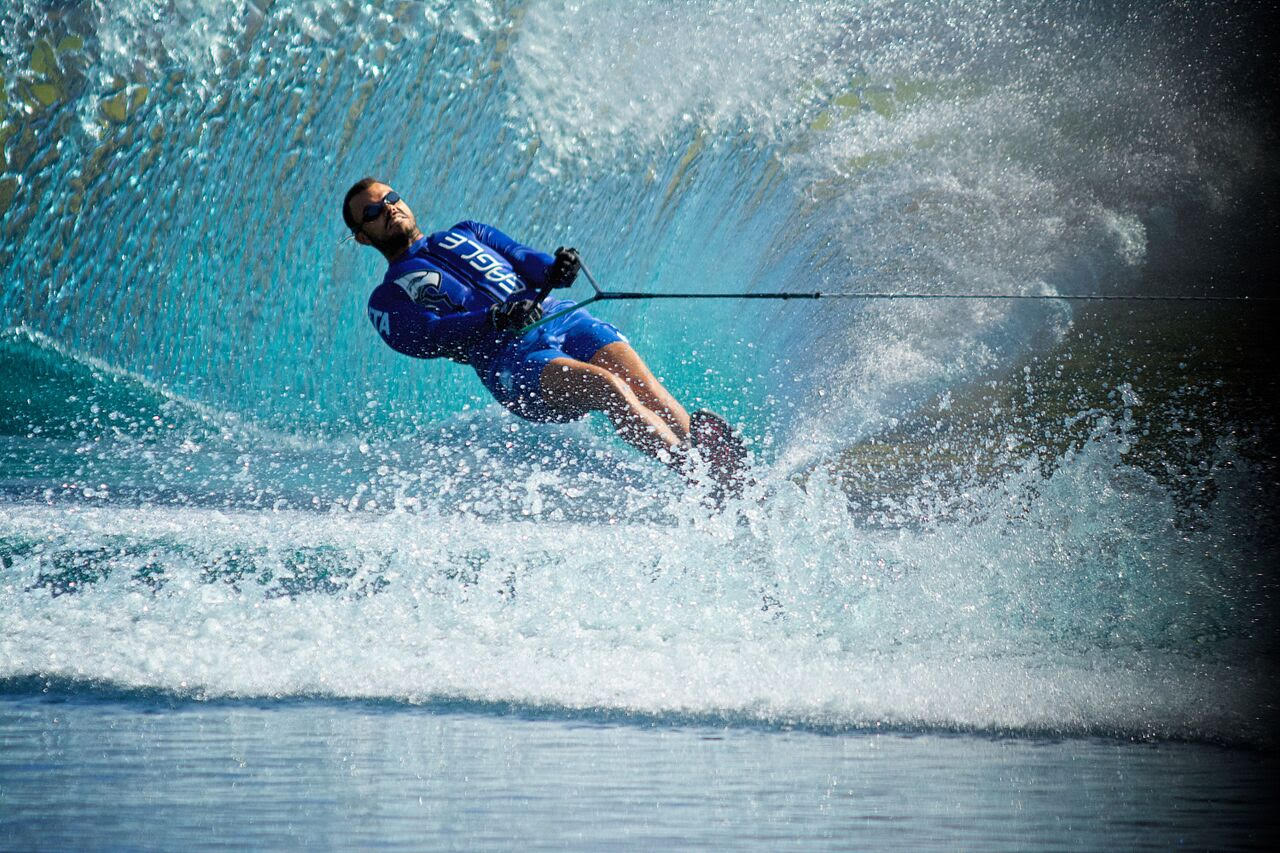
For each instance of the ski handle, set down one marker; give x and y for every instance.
(545, 291)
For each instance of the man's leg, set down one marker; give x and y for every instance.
(621, 360)
(575, 386)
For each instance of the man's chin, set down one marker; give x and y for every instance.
(392, 244)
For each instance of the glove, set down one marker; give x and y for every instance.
(564, 269)
(506, 316)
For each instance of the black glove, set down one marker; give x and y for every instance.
(506, 316)
(564, 269)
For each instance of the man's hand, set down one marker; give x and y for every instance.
(506, 316)
(564, 269)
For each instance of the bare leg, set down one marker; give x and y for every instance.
(623, 361)
(576, 386)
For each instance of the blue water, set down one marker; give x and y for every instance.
(361, 775)
(239, 537)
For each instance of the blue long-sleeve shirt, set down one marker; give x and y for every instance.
(434, 299)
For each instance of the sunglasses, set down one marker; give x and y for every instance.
(373, 211)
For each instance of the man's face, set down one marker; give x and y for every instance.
(392, 228)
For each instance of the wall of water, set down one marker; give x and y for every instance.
(172, 170)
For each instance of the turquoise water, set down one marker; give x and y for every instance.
(234, 526)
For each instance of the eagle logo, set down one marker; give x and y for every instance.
(423, 288)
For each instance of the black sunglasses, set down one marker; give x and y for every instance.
(373, 211)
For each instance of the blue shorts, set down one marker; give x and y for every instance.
(514, 376)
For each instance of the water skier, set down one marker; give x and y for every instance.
(466, 294)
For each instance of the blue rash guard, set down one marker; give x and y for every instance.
(434, 302)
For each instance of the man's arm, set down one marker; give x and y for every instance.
(411, 329)
(530, 264)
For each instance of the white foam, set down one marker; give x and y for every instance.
(1070, 613)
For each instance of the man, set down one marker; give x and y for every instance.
(467, 293)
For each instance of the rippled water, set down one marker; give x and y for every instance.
(369, 775)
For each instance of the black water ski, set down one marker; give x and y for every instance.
(724, 453)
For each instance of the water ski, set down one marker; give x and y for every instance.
(722, 451)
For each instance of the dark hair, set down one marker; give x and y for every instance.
(359, 186)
